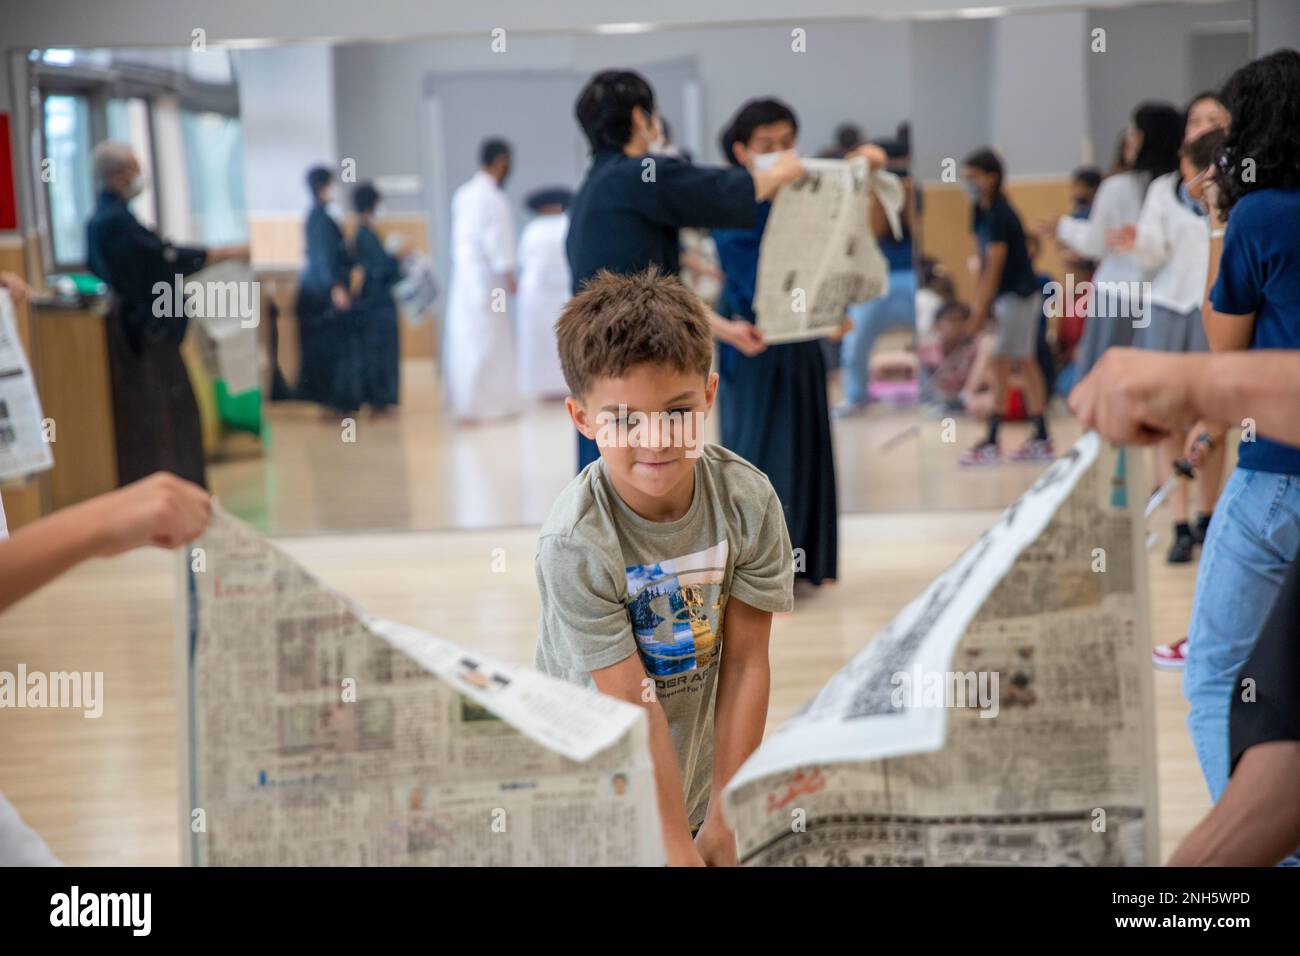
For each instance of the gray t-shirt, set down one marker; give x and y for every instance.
(613, 584)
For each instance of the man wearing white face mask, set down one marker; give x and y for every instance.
(154, 410)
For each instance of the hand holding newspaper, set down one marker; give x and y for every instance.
(1004, 717)
(818, 254)
(23, 446)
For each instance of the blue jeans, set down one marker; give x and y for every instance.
(1251, 543)
(896, 310)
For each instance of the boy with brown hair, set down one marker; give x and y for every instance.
(660, 548)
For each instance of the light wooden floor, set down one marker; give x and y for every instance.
(104, 791)
(423, 472)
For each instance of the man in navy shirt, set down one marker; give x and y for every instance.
(629, 208)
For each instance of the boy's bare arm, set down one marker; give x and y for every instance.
(740, 714)
(627, 681)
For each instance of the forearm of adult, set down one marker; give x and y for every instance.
(1263, 386)
(1257, 820)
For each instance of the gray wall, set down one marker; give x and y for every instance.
(951, 96)
(1038, 101)
(379, 89)
(286, 97)
(950, 91)
(1148, 57)
(1278, 23)
(91, 23)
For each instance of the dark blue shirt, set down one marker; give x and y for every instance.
(999, 223)
(625, 219)
(898, 252)
(1259, 272)
(738, 258)
(382, 270)
(131, 260)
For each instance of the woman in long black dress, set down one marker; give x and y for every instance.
(330, 371)
(773, 406)
(375, 310)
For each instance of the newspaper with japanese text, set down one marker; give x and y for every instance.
(818, 255)
(1004, 717)
(313, 734)
(24, 449)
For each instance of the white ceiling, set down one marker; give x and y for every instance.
(74, 23)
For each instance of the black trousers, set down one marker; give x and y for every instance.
(155, 415)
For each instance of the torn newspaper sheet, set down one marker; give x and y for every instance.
(225, 301)
(416, 293)
(818, 254)
(23, 446)
(314, 735)
(1004, 717)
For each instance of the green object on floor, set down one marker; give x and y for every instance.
(242, 411)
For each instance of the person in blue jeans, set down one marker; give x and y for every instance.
(1254, 303)
(897, 308)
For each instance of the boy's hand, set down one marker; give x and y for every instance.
(683, 854)
(162, 510)
(717, 844)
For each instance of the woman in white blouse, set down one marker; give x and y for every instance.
(1172, 237)
(1150, 149)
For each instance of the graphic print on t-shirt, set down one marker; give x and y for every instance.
(674, 608)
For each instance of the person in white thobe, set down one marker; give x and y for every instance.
(544, 288)
(479, 358)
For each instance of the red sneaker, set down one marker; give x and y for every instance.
(1170, 657)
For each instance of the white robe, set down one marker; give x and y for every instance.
(479, 360)
(544, 284)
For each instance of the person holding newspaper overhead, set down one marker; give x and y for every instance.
(634, 200)
(775, 412)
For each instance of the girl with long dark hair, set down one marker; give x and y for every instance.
(1150, 150)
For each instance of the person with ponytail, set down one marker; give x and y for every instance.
(1009, 292)
(1172, 237)
(1148, 150)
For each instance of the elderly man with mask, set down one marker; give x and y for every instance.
(156, 417)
